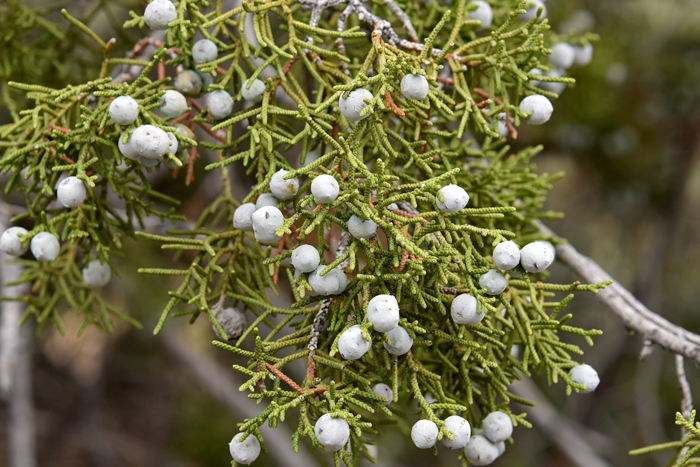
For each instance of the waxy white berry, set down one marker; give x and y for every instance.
(383, 312)
(183, 156)
(159, 13)
(148, 162)
(123, 110)
(10, 243)
(583, 54)
(352, 345)
(501, 448)
(127, 149)
(207, 80)
(551, 247)
(506, 255)
(305, 258)
(173, 104)
(401, 341)
(332, 433)
(45, 246)
(414, 87)
(480, 451)
(150, 142)
(183, 130)
(255, 92)
(188, 83)
(562, 55)
(71, 192)
(385, 391)
(461, 432)
(540, 109)
(464, 310)
(244, 452)
(331, 283)
(204, 50)
(586, 375)
(497, 427)
(483, 13)
(325, 188)
(353, 105)
(281, 188)
(342, 280)
(243, 217)
(265, 221)
(500, 121)
(173, 143)
(232, 320)
(531, 10)
(361, 228)
(266, 199)
(536, 257)
(97, 274)
(424, 434)
(219, 104)
(455, 198)
(494, 282)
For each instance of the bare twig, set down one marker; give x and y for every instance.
(16, 364)
(686, 402)
(631, 311)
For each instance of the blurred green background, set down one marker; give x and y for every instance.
(627, 137)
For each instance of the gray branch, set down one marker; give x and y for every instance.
(686, 402)
(631, 311)
(16, 363)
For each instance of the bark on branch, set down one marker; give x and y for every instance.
(631, 311)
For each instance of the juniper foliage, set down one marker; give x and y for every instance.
(390, 166)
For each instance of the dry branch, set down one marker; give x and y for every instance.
(631, 311)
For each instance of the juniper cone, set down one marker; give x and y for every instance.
(173, 104)
(497, 427)
(266, 199)
(481, 451)
(461, 431)
(253, 91)
(11, 242)
(425, 189)
(424, 434)
(45, 246)
(246, 451)
(204, 51)
(96, 274)
(585, 375)
(385, 391)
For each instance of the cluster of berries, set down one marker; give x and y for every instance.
(483, 448)
(45, 246)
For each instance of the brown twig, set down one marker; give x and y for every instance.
(190, 166)
(290, 382)
(390, 103)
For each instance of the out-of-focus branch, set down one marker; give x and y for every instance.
(16, 363)
(569, 437)
(218, 381)
(686, 402)
(631, 311)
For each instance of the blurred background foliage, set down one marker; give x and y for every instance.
(627, 135)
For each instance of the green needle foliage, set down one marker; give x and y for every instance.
(390, 167)
(686, 449)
